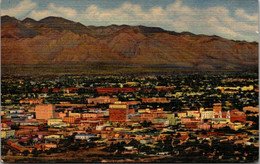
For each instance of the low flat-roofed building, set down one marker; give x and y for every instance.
(102, 100)
(181, 114)
(84, 136)
(76, 115)
(207, 114)
(204, 126)
(7, 133)
(53, 136)
(251, 109)
(155, 100)
(69, 119)
(31, 101)
(193, 113)
(219, 120)
(185, 120)
(92, 115)
(57, 122)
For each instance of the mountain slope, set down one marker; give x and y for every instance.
(57, 40)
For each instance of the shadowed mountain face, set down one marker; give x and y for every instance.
(54, 40)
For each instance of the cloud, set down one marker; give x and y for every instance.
(21, 9)
(242, 14)
(42, 14)
(127, 14)
(68, 12)
(217, 21)
(53, 10)
(179, 17)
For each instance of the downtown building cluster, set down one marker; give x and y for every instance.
(112, 115)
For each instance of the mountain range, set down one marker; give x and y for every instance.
(55, 40)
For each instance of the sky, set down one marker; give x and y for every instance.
(232, 19)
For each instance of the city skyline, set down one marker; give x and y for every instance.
(158, 118)
(130, 81)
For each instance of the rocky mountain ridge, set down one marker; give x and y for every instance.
(55, 40)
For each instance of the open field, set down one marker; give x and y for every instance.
(90, 155)
(92, 69)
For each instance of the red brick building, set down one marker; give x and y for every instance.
(69, 119)
(45, 90)
(217, 107)
(236, 115)
(102, 100)
(151, 116)
(116, 90)
(131, 111)
(155, 100)
(56, 90)
(31, 101)
(191, 125)
(118, 112)
(166, 89)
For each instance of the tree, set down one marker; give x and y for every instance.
(146, 149)
(74, 147)
(120, 147)
(25, 152)
(160, 146)
(15, 127)
(4, 151)
(146, 124)
(35, 152)
(112, 147)
(134, 143)
(48, 152)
